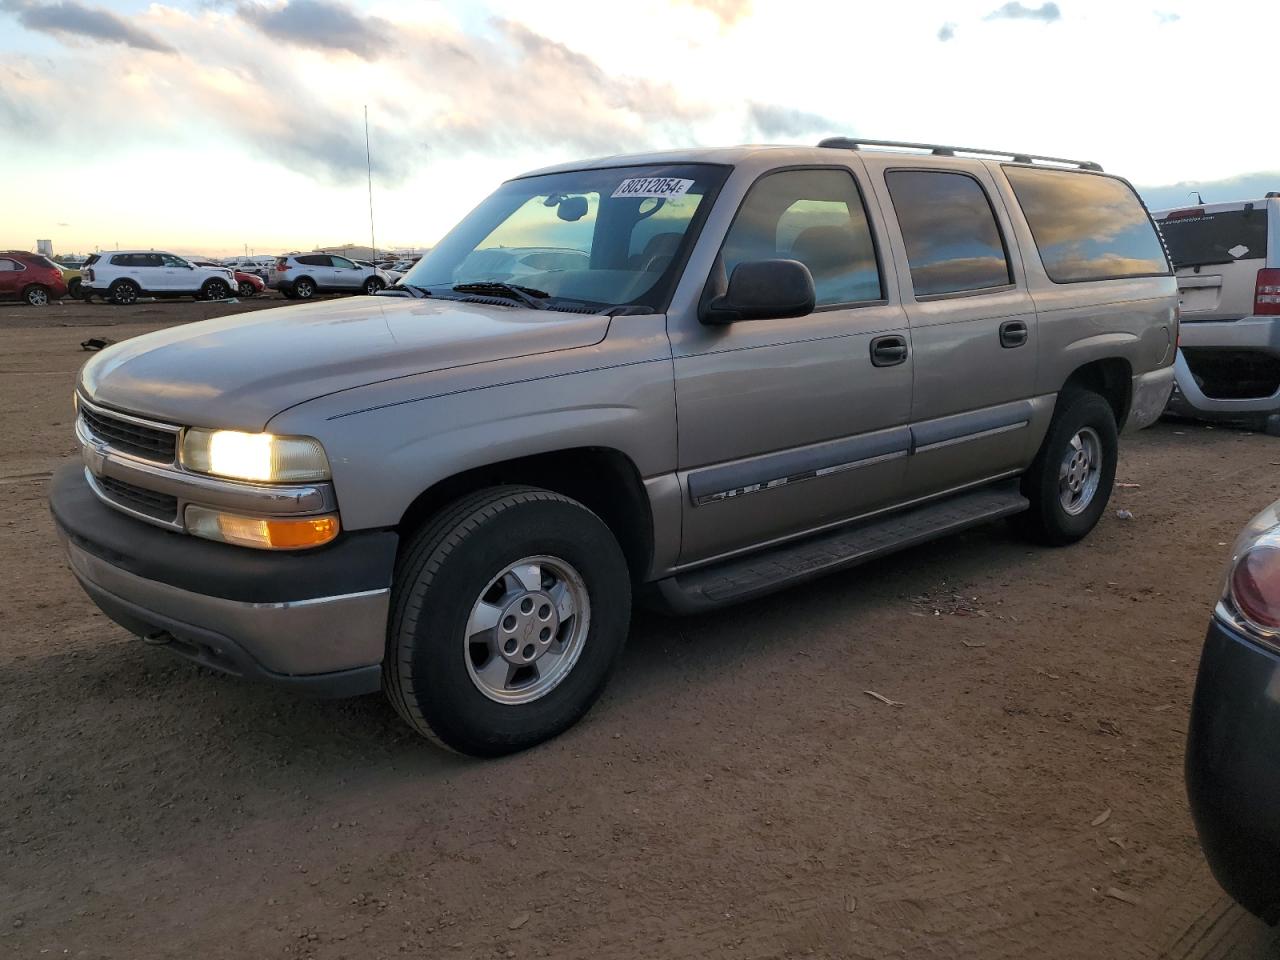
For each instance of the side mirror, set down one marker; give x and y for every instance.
(763, 290)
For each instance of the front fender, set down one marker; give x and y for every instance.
(389, 443)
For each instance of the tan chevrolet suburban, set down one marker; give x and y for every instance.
(739, 369)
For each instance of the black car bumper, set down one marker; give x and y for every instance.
(314, 620)
(1233, 767)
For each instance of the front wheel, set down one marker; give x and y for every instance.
(373, 285)
(215, 290)
(36, 295)
(246, 289)
(509, 612)
(1070, 480)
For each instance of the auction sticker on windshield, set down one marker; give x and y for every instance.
(653, 187)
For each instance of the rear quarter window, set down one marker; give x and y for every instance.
(1087, 226)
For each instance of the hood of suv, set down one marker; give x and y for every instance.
(240, 371)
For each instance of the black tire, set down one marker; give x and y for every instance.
(444, 570)
(373, 285)
(124, 292)
(36, 295)
(288, 294)
(304, 288)
(245, 289)
(1049, 521)
(75, 289)
(215, 290)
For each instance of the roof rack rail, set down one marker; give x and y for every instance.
(939, 150)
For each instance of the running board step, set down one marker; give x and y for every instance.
(759, 573)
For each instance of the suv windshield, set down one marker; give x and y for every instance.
(1196, 238)
(601, 238)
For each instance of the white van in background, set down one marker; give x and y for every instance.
(1227, 258)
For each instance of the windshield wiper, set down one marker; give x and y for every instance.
(498, 288)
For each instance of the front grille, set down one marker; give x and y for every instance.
(160, 506)
(128, 437)
(1233, 374)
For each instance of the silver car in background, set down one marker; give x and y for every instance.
(1227, 258)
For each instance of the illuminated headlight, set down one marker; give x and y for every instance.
(254, 456)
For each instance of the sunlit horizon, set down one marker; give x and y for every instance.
(219, 128)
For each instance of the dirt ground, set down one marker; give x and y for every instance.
(737, 793)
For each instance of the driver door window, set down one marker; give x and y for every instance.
(816, 217)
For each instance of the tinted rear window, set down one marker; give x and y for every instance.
(1087, 226)
(1224, 237)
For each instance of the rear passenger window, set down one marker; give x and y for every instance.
(816, 217)
(314, 260)
(953, 241)
(1087, 226)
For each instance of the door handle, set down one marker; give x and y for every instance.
(888, 351)
(1013, 333)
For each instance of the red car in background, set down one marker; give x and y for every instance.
(31, 278)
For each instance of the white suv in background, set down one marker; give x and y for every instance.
(300, 276)
(1227, 257)
(122, 276)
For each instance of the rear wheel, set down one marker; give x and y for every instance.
(304, 288)
(75, 289)
(36, 295)
(1070, 480)
(124, 292)
(509, 612)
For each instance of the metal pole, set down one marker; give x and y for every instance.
(368, 157)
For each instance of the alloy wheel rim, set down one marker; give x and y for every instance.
(1080, 471)
(38, 298)
(527, 629)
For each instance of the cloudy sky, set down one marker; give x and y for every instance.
(209, 125)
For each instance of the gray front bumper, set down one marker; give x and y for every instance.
(328, 646)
